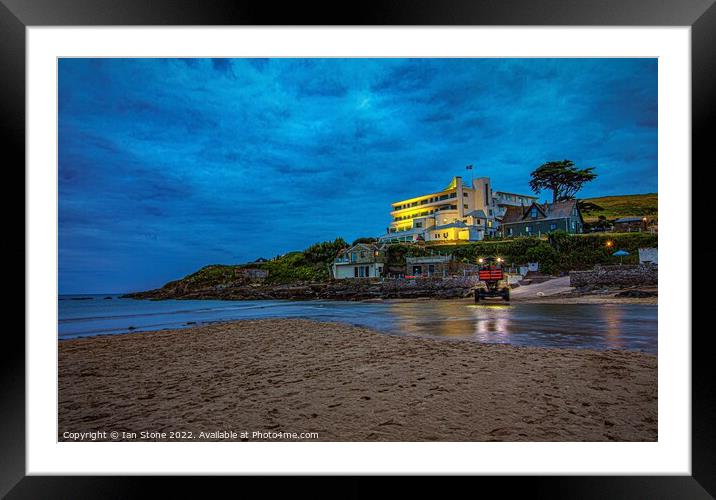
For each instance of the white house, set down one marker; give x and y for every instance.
(362, 260)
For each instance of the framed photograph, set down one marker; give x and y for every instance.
(418, 241)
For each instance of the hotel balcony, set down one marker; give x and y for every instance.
(438, 199)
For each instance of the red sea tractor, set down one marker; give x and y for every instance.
(493, 276)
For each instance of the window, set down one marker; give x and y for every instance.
(509, 231)
(353, 257)
(431, 268)
(528, 229)
(464, 194)
(355, 272)
(553, 226)
(453, 195)
(533, 212)
(445, 235)
(464, 206)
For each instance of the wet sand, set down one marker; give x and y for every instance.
(351, 384)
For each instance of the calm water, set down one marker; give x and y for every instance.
(613, 326)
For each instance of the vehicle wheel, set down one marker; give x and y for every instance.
(506, 294)
(477, 296)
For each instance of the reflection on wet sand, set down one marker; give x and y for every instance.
(548, 325)
(613, 318)
(492, 323)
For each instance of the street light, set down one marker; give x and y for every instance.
(610, 243)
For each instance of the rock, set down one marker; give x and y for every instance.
(636, 294)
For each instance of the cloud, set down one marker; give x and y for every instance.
(169, 164)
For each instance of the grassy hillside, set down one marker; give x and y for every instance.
(614, 207)
(312, 264)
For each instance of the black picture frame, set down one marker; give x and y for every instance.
(16, 15)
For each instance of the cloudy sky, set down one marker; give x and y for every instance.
(166, 165)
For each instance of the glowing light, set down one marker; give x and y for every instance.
(499, 259)
(609, 243)
(480, 260)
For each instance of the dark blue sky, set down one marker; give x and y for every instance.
(166, 165)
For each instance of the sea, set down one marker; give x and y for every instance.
(588, 326)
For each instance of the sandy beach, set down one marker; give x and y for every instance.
(348, 383)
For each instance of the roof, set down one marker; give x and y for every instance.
(371, 247)
(531, 197)
(560, 209)
(513, 214)
(629, 219)
(556, 210)
(428, 259)
(476, 213)
(457, 223)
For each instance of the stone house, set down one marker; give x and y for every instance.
(428, 266)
